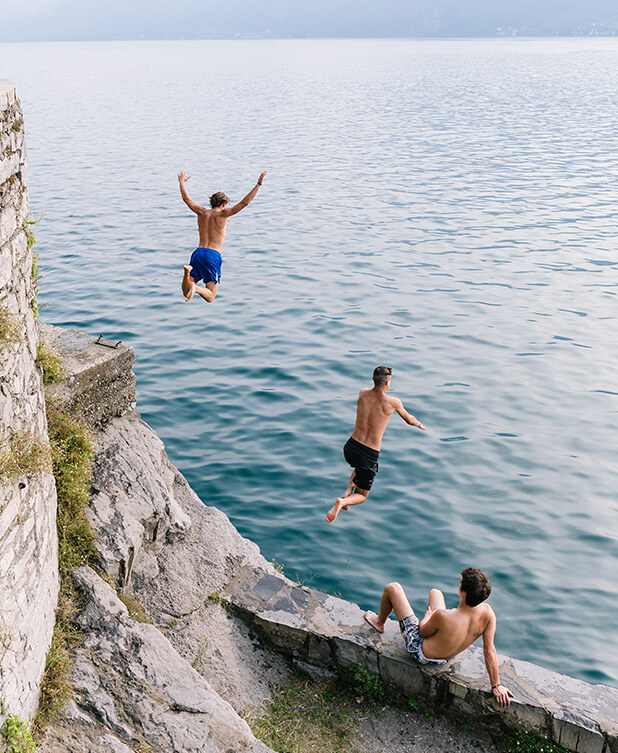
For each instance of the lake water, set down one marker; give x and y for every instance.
(447, 208)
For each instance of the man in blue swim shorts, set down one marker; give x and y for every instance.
(443, 633)
(205, 264)
(361, 451)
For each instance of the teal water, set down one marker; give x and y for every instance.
(446, 208)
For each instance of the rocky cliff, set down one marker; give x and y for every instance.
(28, 543)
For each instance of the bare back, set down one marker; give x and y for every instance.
(373, 410)
(459, 628)
(212, 224)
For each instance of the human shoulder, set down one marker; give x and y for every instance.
(487, 615)
(394, 402)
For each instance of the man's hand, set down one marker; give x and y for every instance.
(419, 425)
(183, 177)
(261, 178)
(502, 695)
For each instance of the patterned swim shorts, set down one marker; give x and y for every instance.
(414, 641)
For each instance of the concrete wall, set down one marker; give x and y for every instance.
(28, 541)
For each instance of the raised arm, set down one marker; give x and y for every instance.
(229, 211)
(193, 205)
(500, 693)
(407, 417)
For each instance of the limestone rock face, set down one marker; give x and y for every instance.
(134, 507)
(129, 678)
(157, 537)
(28, 541)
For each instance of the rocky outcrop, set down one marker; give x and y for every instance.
(131, 681)
(28, 543)
(177, 555)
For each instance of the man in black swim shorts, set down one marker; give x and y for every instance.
(361, 451)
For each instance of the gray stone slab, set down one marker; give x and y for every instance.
(99, 380)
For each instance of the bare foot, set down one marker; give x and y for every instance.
(334, 511)
(372, 619)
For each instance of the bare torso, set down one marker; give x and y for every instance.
(461, 627)
(373, 410)
(212, 224)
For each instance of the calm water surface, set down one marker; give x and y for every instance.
(446, 208)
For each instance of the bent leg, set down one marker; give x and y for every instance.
(393, 599)
(209, 292)
(188, 283)
(359, 496)
(436, 599)
(350, 485)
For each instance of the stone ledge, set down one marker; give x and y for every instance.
(324, 631)
(99, 381)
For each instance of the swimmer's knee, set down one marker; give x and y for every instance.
(394, 587)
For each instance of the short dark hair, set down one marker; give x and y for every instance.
(218, 199)
(475, 584)
(381, 375)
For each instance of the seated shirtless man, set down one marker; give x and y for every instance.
(205, 261)
(373, 410)
(443, 633)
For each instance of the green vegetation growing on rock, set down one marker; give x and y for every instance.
(305, 717)
(134, 607)
(17, 735)
(216, 598)
(9, 327)
(23, 453)
(525, 741)
(72, 453)
(50, 362)
(56, 685)
(365, 686)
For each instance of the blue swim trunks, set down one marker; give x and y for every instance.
(414, 641)
(206, 263)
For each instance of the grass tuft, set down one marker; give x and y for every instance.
(72, 453)
(134, 608)
(56, 685)
(302, 717)
(365, 686)
(526, 741)
(9, 327)
(23, 453)
(50, 362)
(216, 598)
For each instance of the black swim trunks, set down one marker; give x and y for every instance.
(364, 460)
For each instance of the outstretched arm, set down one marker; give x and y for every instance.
(228, 212)
(407, 417)
(193, 205)
(500, 693)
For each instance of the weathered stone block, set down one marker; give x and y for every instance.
(99, 382)
(400, 673)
